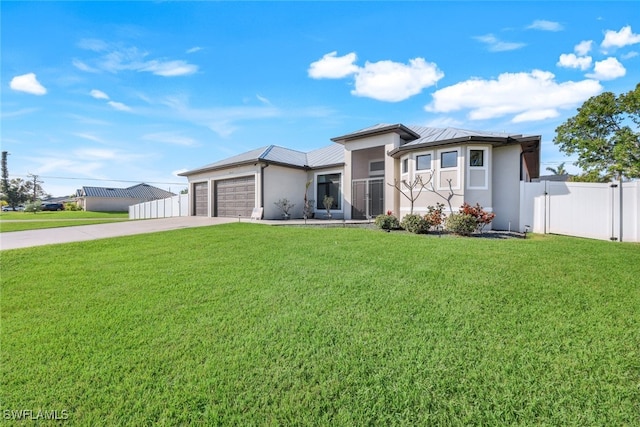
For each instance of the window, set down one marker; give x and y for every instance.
(476, 158)
(376, 168)
(405, 166)
(423, 162)
(329, 185)
(449, 159)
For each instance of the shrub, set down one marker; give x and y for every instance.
(483, 218)
(461, 223)
(72, 206)
(414, 223)
(387, 222)
(434, 215)
(33, 207)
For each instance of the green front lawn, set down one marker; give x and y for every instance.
(21, 221)
(244, 324)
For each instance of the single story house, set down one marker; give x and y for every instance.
(106, 199)
(361, 171)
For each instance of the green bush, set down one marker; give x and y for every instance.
(71, 206)
(414, 223)
(387, 222)
(461, 223)
(33, 207)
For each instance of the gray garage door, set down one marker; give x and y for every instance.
(201, 198)
(235, 197)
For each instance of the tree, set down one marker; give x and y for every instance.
(604, 134)
(35, 189)
(13, 192)
(560, 170)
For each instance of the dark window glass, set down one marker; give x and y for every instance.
(449, 159)
(476, 158)
(423, 162)
(329, 185)
(405, 166)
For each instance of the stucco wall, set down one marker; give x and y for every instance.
(281, 182)
(506, 187)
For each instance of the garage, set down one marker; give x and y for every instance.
(201, 199)
(235, 197)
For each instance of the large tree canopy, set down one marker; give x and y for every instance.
(604, 134)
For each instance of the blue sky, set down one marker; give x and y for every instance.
(116, 93)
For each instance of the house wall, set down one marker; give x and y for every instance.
(505, 183)
(281, 182)
(388, 141)
(108, 204)
(362, 160)
(234, 172)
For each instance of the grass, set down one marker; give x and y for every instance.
(21, 221)
(244, 324)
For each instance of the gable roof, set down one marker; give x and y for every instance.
(139, 192)
(323, 157)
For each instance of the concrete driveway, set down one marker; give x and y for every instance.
(48, 236)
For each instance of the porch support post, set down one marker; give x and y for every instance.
(347, 185)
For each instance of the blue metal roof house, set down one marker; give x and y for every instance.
(107, 199)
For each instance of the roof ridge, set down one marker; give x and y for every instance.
(266, 151)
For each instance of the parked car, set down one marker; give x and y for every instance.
(11, 208)
(52, 207)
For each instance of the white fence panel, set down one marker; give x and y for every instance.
(162, 208)
(591, 210)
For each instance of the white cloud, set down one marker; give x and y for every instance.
(88, 136)
(331, 66)
(393, 81)
(98, 94)
(526, 96)
(383, 80)
(543, 25)
(624, 37)
(95, 154)
(169, 68)
(629, 55)
(570, 60)
(607, 69)
(116, 58)
(194, 49)
(496, 45)
(27, 83)
(262, 99)
(119, 106)
(583, 47)
(170, 138)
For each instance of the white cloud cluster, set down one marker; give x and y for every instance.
(98, 94)
(383, 80)
(524, 96)
(609, 68)
(117, 58)
(27, 83)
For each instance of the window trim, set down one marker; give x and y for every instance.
(404, 171)
(455, 169)
(442, 153)
(430, 168)
(484, 167)
(340, 190)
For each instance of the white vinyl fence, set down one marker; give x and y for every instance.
(162, 208)
(582, 209)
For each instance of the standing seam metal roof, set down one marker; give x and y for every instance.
(139, 191)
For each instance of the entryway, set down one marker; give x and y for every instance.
(367, 198)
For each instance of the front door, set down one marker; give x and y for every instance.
(367, 198)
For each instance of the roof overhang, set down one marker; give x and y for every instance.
(490, 140)
(404, 132)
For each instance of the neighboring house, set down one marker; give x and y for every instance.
(360, 168)
(106, 199)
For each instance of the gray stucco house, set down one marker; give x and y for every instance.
(359, 169)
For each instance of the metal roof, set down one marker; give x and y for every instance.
(331, 155)
(138, 192)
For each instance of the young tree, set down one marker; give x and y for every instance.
(604, 134)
